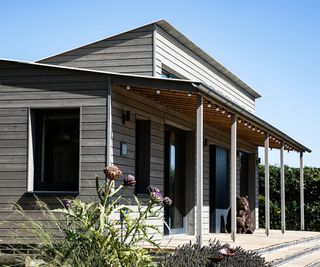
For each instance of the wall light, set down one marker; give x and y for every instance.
(126, 116)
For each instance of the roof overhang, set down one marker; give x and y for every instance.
(166, 26)
(174, 94)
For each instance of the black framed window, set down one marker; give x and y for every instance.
(55, 135)
(143, 131)
(167, 74)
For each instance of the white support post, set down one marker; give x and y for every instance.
(109, 124)
(301, 191)
(282, 186)
(200, 169)
(267, 191)
(233, 184)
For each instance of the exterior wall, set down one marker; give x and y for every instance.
(176, 58)
(129, 52)
(37, 88)
(140, 106)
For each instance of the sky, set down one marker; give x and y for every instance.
(274, 46)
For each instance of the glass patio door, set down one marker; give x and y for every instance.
(175, 167)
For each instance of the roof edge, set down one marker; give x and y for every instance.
(198, 84)
(208, 91)
(221, 69)
(98, 71)
(99, 40)
(205, 56)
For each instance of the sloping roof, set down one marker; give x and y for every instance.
(206, 57)
(171, 30)
(178, 84)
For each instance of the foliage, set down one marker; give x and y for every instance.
(292, 195)
(102, 233)
(215, 254)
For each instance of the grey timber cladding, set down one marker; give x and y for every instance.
(129, 52)
(175, 57)
(23, 87)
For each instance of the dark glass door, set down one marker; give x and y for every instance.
(244, 173)
(218, 188)
(175, 167)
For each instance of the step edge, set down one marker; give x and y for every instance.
(276, 247)
(313, 264)
(281, 261)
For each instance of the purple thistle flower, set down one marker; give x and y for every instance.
(167, 201)
(156, 197)
(151, 189)
(130, 180)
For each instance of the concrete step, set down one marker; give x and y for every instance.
(287, 253)
(308, 260)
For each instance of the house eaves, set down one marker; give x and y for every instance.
(166, 26)
(217, 96)
(177, 84)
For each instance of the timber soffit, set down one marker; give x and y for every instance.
(176, 84)
(208, 91)
(171, 30)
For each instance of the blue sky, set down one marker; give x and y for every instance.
(274, 46)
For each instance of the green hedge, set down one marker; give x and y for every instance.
(292, 186)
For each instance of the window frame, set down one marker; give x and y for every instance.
(168, 74)
(31, 152)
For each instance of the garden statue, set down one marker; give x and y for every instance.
(244, 218)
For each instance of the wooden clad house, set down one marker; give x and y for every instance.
(148, 100)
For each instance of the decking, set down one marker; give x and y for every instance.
(294, 248)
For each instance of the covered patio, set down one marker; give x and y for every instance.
(206, 106)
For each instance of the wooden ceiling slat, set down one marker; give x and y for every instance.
(185, 104)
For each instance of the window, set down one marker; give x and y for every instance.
(55, 150)
(143, 130)
(167, 74)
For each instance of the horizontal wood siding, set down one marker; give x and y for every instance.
(62, 88)
(22, 88)
(141, 107)
(129, 52)
(175, 57)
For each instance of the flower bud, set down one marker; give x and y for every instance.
(112, 172)
(167, 201)
(129, 180)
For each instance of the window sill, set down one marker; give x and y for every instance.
(52, 193)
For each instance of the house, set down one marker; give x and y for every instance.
(150, 101)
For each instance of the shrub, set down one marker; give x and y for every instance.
(92, 234)
(292, 193)
(215, 254)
